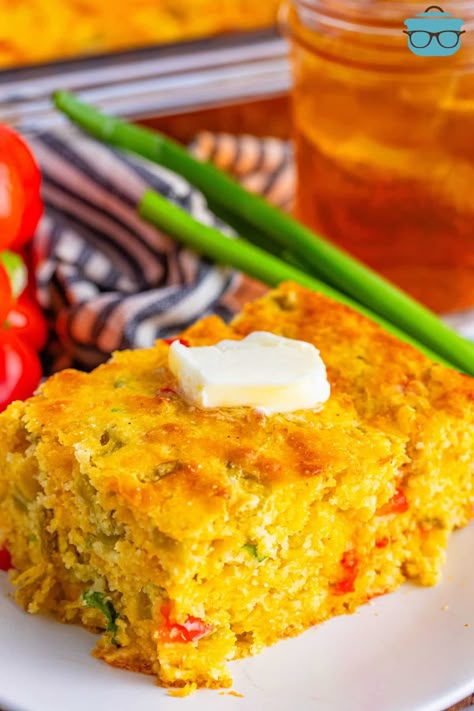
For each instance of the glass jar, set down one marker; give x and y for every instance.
(385, 143)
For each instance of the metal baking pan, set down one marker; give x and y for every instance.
(157, 81)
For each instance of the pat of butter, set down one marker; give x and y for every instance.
(264, 371)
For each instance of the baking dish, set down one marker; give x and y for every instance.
(158, 81)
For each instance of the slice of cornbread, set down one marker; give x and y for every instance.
(192, 537)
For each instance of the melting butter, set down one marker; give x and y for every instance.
(263, 371)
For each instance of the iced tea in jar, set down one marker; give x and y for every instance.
(384, 134)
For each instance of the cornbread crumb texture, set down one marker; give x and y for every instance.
(232, 693)
(193, 537)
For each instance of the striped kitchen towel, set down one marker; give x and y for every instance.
(262, 165)
(108, 280)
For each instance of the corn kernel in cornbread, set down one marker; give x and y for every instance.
(192, 537)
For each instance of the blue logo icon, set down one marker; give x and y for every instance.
(434, 33)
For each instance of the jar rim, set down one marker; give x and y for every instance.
(372, 16)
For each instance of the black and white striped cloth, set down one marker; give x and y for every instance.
(106, 278)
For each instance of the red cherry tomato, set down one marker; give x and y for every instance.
(20, 368)
(5, 294)
(31, 216)
(24, 160)
(27, 321)
(12, 202)
(16, 152)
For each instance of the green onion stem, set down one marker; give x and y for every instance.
(319, 256)
(249, 233)
(237, 253)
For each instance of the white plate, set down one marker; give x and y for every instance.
(409, 651)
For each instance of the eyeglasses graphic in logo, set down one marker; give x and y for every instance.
(434, 33)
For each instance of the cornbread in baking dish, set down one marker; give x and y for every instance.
(192, 537)
(79, 27)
